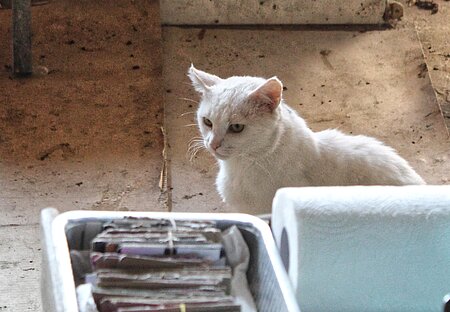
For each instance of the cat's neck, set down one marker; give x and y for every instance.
(290, 134)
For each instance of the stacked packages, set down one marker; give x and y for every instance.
(160, 265)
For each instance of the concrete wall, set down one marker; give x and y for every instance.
(229, 12)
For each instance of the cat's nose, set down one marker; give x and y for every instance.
(215, 144)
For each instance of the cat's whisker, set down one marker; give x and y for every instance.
(189, 125)
(187, 113)
(199, 142)
(193, 151)
(188, 99)
(195, 144)
(195, 140)
(192, 157)
(195, 147)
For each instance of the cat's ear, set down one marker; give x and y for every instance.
(201, 80)
(268, 95)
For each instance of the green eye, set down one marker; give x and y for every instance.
(236, 128)
(207, 122)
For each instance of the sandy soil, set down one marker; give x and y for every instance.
(83, 132)
(100, 102)
(433, 31)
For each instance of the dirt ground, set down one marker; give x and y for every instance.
(100, 102)
(85, 135)
(434, 33)
(84, 131)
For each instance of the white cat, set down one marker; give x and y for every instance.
(261, 144)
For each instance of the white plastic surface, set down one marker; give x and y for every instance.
(366, 248)
(60, 293)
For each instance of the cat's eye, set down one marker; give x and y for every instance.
(207, 122)
(236, 128)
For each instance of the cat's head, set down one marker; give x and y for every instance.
(237, 116)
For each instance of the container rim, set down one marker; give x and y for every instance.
(61, 246)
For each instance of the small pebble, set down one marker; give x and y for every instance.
(439, 159)
(41, 71)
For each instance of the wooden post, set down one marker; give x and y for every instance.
(5, 4)
(21, 34)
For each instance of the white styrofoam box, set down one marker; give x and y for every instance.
(268, 281)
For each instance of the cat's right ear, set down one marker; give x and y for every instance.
(268, 95)
(201, 80)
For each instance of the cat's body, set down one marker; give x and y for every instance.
(262, 145)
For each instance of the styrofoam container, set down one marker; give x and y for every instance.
(268, 280)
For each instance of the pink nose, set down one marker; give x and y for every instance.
(215, 144)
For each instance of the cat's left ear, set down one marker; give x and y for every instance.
(268, 95)
(201, 80)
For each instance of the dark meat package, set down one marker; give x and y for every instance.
(160, 265)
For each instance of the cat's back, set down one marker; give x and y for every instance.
(336, 141)
(363, 160)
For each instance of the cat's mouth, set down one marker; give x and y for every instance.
(219, 155)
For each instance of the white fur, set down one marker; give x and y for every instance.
(276, 148)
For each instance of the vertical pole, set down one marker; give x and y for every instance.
(5, 4)
(21, 34)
